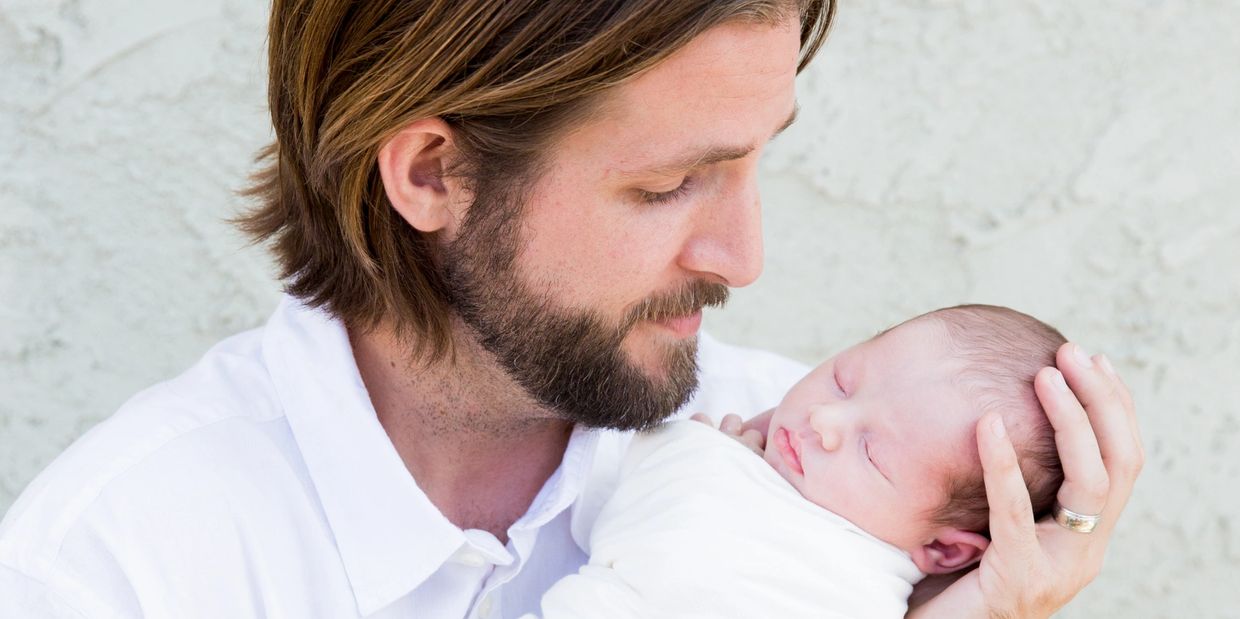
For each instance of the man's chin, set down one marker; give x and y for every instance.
(653, 352)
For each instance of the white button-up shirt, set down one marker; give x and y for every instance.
(260, 484)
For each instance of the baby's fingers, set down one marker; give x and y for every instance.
(703, 418)
(731, 424)
(754, 440)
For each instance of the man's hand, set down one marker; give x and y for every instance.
(1032, 569)
(734, 427)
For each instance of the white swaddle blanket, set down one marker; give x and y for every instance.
(699, 526)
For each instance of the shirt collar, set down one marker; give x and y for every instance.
(390, 536)
(565, 484)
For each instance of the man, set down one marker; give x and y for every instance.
(498, 223)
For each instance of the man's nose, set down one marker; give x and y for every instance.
(727, 240)
(831, 425)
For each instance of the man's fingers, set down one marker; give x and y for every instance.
(1011, 516)
(1109, 406)
(1093, 385)
(1125, 393)
(1085, 485)
(1125, 396)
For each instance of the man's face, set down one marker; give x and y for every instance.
(646, 211)
(875, 433)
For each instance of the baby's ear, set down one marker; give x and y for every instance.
(951, 550)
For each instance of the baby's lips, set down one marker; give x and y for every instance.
(794, 442)
(791, 455)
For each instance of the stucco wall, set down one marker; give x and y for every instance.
(1076, 160)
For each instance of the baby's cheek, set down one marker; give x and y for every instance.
(862, 505)
(828, 492)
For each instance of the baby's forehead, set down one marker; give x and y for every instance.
(926, 332)
(917, 348)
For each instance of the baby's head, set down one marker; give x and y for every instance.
(883, 433)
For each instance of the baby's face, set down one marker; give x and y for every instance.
(874, 433)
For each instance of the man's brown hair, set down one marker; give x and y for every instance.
(506, 75)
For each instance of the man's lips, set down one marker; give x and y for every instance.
(682, 326)
(789, 446)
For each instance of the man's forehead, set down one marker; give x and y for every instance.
(724, 94)
(686, 158)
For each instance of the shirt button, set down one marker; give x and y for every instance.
(484, 609)
(468, 557)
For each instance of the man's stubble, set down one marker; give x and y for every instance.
(569, 361)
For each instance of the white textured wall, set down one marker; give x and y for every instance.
(1077, 160)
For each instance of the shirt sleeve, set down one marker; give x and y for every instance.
(24, 596)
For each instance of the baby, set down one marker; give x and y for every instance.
(883, 433)
(870, 479)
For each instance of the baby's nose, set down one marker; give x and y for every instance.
(827, 424)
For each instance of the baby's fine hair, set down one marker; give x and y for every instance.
(1002, 350)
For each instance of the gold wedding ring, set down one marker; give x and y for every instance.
(1072, 521)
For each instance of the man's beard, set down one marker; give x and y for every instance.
(570, 361)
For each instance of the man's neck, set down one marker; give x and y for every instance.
(475, 442)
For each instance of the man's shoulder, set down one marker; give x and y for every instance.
(173, 451)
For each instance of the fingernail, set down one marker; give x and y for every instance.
(997, 428)
(1082, 357)
(1057, 379)
(1106, 365)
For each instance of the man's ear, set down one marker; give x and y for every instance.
(951, 550)
(412, 164)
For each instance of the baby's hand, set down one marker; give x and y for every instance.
(731, 425)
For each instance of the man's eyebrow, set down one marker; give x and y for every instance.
(708, 156)
(692, 160)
